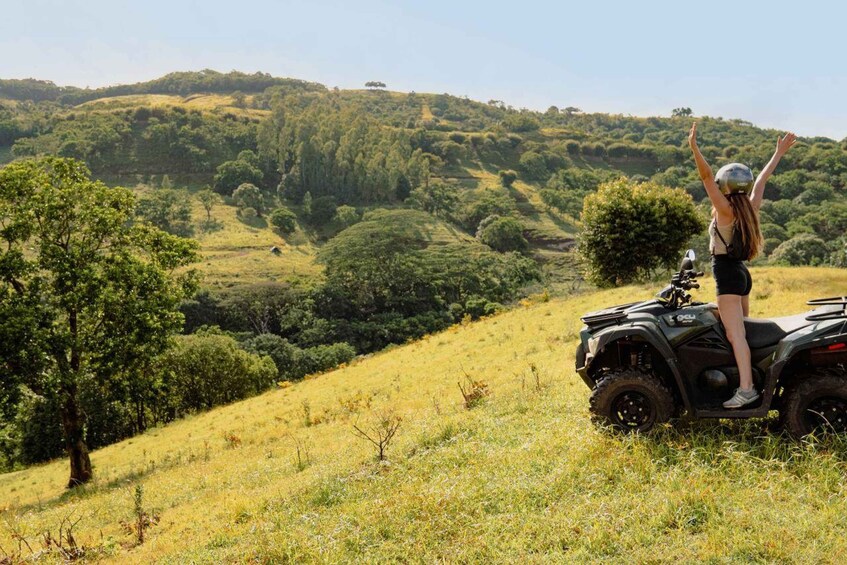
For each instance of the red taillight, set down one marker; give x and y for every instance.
(836, 346)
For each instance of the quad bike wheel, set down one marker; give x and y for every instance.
(817, 404)
(631, 400)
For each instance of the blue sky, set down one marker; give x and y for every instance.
(777, 64)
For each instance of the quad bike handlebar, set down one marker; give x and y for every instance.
(674, 296)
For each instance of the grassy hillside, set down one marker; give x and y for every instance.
(239, 252)
(523, 476)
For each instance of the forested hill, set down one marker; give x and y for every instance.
(458, 159)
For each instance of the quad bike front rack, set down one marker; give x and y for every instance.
(832, 314)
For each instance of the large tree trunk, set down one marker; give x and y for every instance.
(72, 425)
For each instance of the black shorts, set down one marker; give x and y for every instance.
(731, 276)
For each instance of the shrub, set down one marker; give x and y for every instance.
(802, 249)
(322, 358)
(346, 215)
(520, 122)
(507, 177)
(284, 220)
(322, 210)
(572, 147)
(534, 166)
(249, 196)
(232, 174)
(283, 353)
(482, 206)
(205, 370)
(503, 234)
(630, 230)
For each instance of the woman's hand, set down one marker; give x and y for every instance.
(692, 136)
(784, 143)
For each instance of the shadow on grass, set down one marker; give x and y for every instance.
(255, 222)
(126, 478)
(714, 442)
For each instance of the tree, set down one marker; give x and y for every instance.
(168, 210)
(681, 112)
(570, 110)
(629, 230)
(508, 177)
(437, 198)
(374, 84)
(85, 293)
(239, 99)
(249, 196)
(502, 234)
(233, 174)
(284, 220)
(208, 199)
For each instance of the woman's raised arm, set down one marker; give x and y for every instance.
(719, 201)
(783, 144)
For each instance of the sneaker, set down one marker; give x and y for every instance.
(742, 398)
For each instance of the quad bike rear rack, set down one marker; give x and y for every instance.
(831, 314)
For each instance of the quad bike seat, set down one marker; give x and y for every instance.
(767, 332)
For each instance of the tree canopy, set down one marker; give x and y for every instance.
(85, 292)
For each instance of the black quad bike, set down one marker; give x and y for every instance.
(647, 362)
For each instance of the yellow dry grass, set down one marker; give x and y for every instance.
(203, 102)
(524, 477)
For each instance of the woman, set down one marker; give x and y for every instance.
(735, 206)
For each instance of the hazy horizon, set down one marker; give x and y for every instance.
(775, 68)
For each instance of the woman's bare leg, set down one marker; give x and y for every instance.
(745, 305)
(732, 314)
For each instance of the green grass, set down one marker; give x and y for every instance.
(238, 252)
(523, 477)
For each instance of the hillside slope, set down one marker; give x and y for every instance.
(522, 476)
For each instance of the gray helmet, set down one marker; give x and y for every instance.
(734, 178)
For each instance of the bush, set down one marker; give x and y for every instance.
(322, 358)
(232, 174)
(630, 230)
(521, 122)
(508, 177)
(249, 196)
(346, 215)
(322, 210)
(775, 232)
(280, 350)
(489, 203)
(205, 370)
(503, 234)
(534, 166)
(284, 220)
(248, 213)
(802, 249)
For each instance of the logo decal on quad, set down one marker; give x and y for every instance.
(683, 319)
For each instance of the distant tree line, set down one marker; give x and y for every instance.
(181, 83)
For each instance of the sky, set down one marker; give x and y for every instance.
(776, 64)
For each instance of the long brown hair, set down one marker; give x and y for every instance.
(747, 220)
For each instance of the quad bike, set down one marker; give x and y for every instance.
(647, 362)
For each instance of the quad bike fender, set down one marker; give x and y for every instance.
(809, 339)
(648, 332)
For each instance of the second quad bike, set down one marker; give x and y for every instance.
(647, 362)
